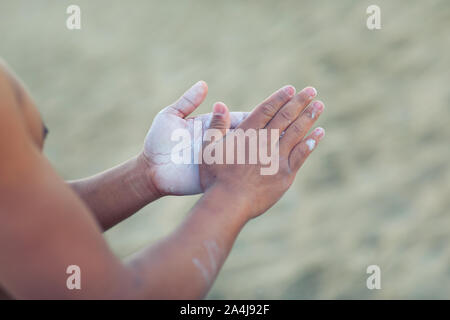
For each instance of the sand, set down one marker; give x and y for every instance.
(376, 189)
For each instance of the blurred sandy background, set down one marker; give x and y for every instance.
(375, 192)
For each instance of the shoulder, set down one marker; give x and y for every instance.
(8, 100)
(9, 111)
(14, 139)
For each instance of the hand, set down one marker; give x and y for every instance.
(168, 177)
(293, 115)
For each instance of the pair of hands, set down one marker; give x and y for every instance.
(292, 114)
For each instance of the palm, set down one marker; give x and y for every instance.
(168, 176)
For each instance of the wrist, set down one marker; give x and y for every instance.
(239, 206)
(140, 178)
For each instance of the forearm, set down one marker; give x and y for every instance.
(117, 193)
(184, 265)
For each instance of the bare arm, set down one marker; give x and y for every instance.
(185, 264)
(45, 227)
(117, 193)
(41, 237)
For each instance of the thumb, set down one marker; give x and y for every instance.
(189, 101)
(220, 118)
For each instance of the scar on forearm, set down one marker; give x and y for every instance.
(213, 251)
(203, 270)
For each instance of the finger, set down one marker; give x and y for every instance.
(264, 112)
(300, 127)
(221, 118)
(213, 141)
(291, 110)
(189, 101)
(236, 118)
(303, 149)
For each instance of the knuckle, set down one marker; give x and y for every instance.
(286, 115)
(268, 109)
(309, 113)
(187, 100)
(172, 110)
(297, 128)
(217, 123)
(302, 151)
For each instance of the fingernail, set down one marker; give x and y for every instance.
(318, 105)
(199, 83)
(219, 109)
(312, 92)
(317, 108)
(199, 86)
(290, 90)
(319, 133)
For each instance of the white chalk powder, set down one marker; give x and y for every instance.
(311, 143)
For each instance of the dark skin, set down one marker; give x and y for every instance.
(47, 224)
